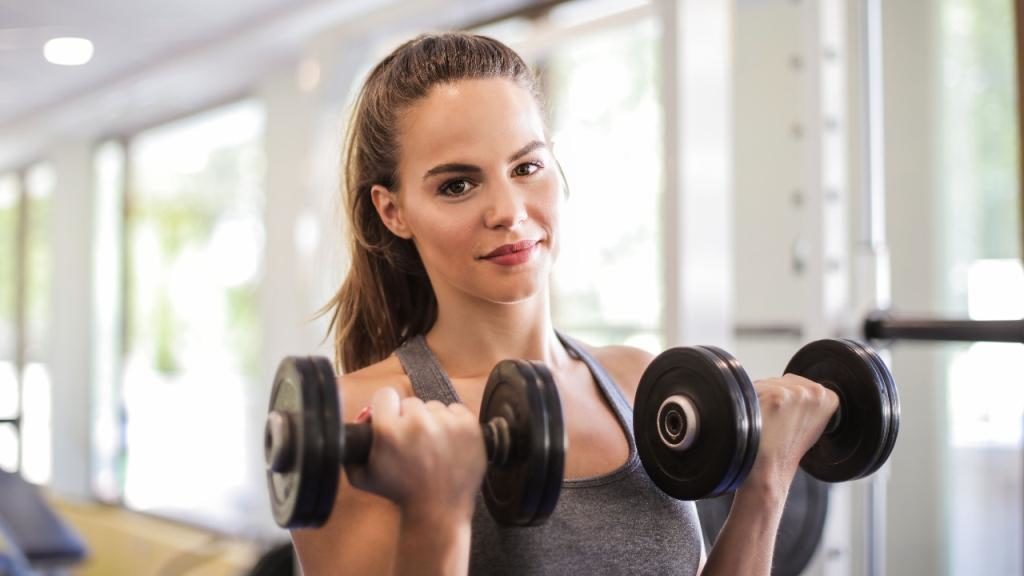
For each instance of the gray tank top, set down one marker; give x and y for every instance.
(616, 523)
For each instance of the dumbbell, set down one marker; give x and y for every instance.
(697, 421)
(305, 442)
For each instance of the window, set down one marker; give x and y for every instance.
(25, 266)
(9, 261)
(985, 404)
(40, 181)
(194, 237)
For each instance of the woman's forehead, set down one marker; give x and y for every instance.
(470, 116)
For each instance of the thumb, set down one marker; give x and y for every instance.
(385, 405)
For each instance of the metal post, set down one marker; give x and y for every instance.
(20, 310)
(873, 242)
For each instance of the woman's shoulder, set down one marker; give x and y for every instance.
(358, 386)
(625, 364)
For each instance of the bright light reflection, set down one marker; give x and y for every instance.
(986, 397)
(68, 51)
(8, 390)
(37, 427)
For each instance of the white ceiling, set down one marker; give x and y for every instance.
(127, 35)
(157, 59)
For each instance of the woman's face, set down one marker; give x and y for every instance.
(479, 190)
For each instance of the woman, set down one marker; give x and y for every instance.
(454, 200)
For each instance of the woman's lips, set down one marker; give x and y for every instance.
(512, 254)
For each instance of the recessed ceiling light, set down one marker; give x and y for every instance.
(68, 51)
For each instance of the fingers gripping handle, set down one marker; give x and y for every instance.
(358, 440)
(497, 441)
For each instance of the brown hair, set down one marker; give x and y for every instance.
(386, 297)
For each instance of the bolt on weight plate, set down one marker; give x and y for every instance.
(289, 489)
(520, 493)
(713, 463)
(855, 448)
(300, 398)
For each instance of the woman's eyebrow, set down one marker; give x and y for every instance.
(526, 150)
(453, 167)
(462, 168)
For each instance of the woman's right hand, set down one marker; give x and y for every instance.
(427, 458)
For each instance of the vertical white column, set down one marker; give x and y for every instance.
(823, 126)
(872, 257)
(107, 312)
(71, 298)
(697, 68)
(824, 130)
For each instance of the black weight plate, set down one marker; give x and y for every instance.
(853, 449)
(293, 493)
(880, 370)
(894, 403)
(800, 529)
(753, 415)
(558, 444)
(330, 416)
(514, 492)
(310, 513)
(710, 466)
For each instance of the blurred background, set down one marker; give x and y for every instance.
(752, 173)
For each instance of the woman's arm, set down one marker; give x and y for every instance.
(794, 413)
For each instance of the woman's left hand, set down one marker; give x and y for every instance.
(794, 413)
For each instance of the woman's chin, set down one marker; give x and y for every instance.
(521, 292)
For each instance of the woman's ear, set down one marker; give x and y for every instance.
(389, 210)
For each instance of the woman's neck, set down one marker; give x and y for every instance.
(469, 338)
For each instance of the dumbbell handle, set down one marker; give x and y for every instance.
(281, 443)
(359, 438)
(837, 417)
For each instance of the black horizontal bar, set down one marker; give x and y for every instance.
(885, 328)
(780, 330)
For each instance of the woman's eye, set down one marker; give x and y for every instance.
(456, 188)
(526, 169)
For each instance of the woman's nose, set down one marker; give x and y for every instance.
(506, 208)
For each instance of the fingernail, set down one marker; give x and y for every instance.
(364, 414)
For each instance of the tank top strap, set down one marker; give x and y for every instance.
(612, 392)
(429, 380)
